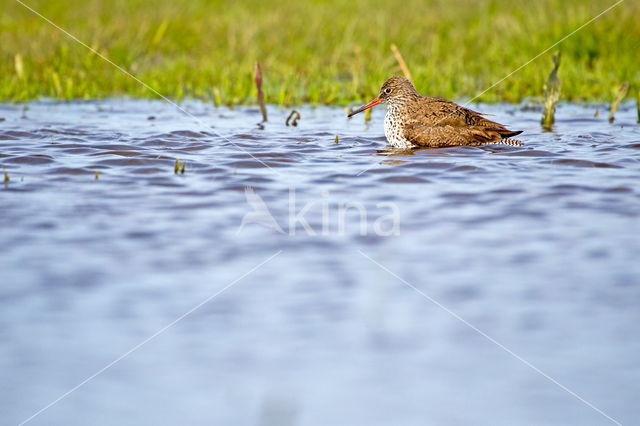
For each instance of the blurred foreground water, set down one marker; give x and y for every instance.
(536, 246)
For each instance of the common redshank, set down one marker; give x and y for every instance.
(414, 120)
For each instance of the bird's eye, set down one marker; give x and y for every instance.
(387, 90)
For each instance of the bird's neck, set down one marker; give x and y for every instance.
(406, 103)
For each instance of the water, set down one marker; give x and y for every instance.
(537, 247)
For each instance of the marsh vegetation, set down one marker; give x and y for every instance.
(329, 52)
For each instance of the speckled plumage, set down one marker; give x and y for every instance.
(414, 120)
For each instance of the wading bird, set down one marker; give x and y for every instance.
(415, 121)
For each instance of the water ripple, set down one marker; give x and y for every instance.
(102, 243)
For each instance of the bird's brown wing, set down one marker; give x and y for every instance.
(439, 123)
(438, 111)
(441, 136)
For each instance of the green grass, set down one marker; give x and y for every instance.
(328, 52)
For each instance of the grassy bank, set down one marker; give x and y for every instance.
(316, 51)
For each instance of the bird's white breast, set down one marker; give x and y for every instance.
(393, 129)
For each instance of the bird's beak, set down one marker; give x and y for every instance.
(373, 103)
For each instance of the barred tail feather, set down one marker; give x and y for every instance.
(508, 141)
(512, 142)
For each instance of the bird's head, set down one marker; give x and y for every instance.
(394, 91)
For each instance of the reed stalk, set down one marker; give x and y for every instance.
(403, 65)
(293, 118)
(257, 78)
(638, 102)
(617, 99)
(551, 94)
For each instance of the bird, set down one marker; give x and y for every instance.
(417, 121)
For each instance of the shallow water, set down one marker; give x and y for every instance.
(343, 321)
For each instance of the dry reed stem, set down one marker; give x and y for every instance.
(257, 78)
(620, 94)
(401, 62)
